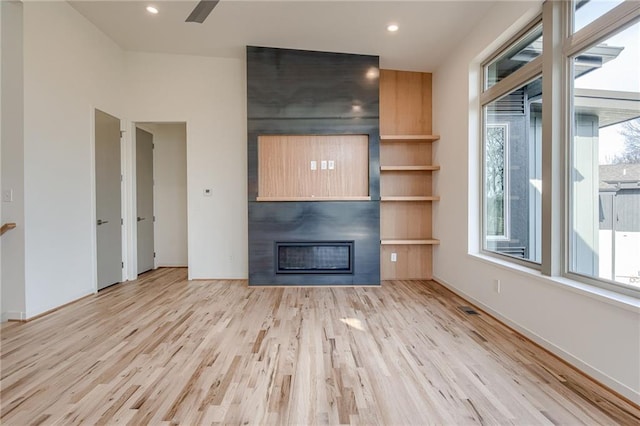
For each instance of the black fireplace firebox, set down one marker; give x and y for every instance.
(314, 257)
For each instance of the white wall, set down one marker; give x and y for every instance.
(12, 275)
(599, 335)
(69, 68)
(170, 193)
(209, 95)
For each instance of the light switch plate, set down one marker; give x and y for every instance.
(332, 164)
(323, 164)
(7, 195)
(394, 257)
(314, 165)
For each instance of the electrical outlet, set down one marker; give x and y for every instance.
(496, 286)
(394, 257)
(7, 195)
(314, 165)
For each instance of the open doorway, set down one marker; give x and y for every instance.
(161, 195)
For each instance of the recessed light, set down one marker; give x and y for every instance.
(392, 28)
(152, 10)
(372, 73)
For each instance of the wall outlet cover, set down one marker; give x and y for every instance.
(7, 195)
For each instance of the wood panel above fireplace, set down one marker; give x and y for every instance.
(313, 167)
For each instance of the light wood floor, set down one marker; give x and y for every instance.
(166, 350)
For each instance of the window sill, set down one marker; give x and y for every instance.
(617, 299)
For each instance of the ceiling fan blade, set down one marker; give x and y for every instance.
(202, 10)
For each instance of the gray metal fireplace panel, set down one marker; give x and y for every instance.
(272, 222)
(294, 92)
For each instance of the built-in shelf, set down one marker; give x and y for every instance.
(364, 198)
(410, 138)
(422, 242)
(412, 198)
(409, 168)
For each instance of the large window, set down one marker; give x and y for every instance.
(604, 213)
(512, 148)
(586, 223)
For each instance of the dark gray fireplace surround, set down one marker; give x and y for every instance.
(294, 92)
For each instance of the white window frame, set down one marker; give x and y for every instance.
(506, 209)
(521, 77)
(603, 27)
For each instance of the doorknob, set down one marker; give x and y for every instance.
(140, 218)
(102, 222)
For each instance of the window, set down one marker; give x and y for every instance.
(496, 152)
(512, 149)
(517, 55)
(591, 145)
(604, 212)
(586, 11)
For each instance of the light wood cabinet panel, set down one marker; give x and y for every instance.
(405, 220)
(405, 103)
(404, 153)
(405, 183)
(285, 173)
(413, 262)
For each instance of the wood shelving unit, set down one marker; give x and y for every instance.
(406, 170)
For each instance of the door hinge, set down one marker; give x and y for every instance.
(122, 265)
(153, 146)
(122, 133)
(121, 221)
(154, 218)
(154, 254)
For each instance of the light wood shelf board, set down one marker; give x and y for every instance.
(354, 198)
(410, 138)
(409, 242)
(409, 168)
(420, 198)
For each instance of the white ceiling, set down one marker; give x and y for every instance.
(428, 29)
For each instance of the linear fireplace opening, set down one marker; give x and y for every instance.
(314, 257)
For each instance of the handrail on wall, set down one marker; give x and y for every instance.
(7, 227)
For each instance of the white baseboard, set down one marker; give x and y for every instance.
(587, 369)
(13, 316)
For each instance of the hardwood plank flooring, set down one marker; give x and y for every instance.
(164, 350)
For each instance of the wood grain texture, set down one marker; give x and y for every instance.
(410, 138)
(405, 220)
(284, 166)
(7, 227)
(425, 241)
(164, 350)
(406, 178)
(410, 183)
(405, 103)
(405, 154)
(413, 261)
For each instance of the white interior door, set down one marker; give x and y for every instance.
(108, 199)
(144, 199)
